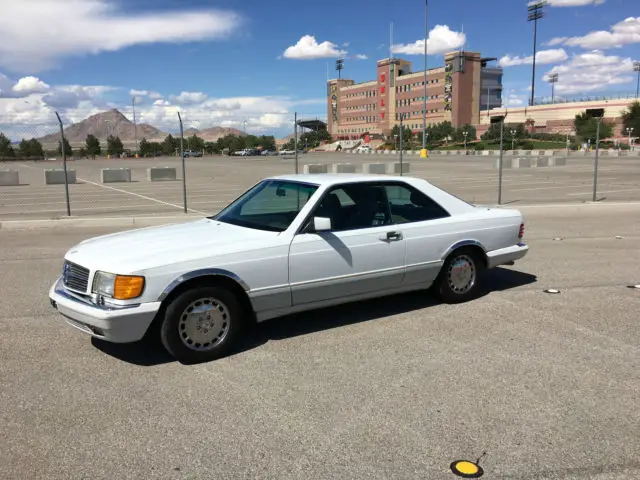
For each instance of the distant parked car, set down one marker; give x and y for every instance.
(192, 153)
(269, 153)
(287, 152)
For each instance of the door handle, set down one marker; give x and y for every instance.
(392, 236)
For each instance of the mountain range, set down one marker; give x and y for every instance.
(113, 122)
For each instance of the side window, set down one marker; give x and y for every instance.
(410, 205)
(354, 207)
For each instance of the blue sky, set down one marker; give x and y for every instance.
(226, 62)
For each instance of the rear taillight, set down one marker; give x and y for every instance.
(521, 233)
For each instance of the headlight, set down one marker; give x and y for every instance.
(119, 287)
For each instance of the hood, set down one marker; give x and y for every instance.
(135, 250)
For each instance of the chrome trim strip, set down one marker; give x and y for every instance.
(205, 272)
(463, 243)
(60, 289)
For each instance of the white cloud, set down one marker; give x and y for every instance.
(308, 48)
(573, 3)
(60, 29)
(138, 93)
(622, 33)
(28, 85)
(592, 72)
(361, 56)
(542, 57)
(188, 98)
(33, 115)
(441, 40)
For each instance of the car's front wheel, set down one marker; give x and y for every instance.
(459, 279)
(202, 324)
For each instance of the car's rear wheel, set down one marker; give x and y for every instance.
(459, 279)
(202, 324)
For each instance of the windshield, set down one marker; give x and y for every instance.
(270, 205)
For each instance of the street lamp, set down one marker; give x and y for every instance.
(553, 79)
(513, 138)
(500, 119)
(596, 113)
(535, 14)
(465, 141)
(629, 131)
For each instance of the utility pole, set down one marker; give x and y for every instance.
(596, 113)
(500, 119)
(535, 14)
(423, 152)
(636, 68)
(135, 128)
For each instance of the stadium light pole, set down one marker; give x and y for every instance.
(636, 68)
(535, 14)
(423, 152)
(553, 79)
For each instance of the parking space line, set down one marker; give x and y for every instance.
(151, 199)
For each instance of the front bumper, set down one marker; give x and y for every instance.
(110, 323)
(507, 255)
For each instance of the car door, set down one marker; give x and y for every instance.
(362, 253)
(427, 228)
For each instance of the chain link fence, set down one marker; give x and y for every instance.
(180, 144)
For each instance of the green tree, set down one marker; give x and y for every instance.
(458, 135)
(144, 148)
(92, 146)
(169, 145)
(586, 126)
(67, 148)
(194, 143)
(631, 118)
(407, 136)
(6, 150)
(35, 148)
(114, 145)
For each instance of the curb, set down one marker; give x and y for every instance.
(13, 225)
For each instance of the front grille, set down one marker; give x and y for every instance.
(75, 277)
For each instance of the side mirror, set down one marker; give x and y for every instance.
(321, 224)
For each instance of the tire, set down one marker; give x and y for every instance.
(463, 285)
(193, 336)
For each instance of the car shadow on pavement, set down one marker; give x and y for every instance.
(143, 353)
(496, 279)
(148, 353)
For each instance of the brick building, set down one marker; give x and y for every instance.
(456, 92)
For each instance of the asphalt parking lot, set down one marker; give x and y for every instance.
(547, 385)
(214, 181)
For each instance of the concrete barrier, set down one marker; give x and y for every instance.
(379, 168)
(56, 176)
(9, 178)
(559, 162)
(394, 168)
(158, 174)
(485, 153)
(343, 168)
(113, 175)
(506, 163)
(548, 153)
(315, 168)
(542, 162)
(613, 153)
(521, 162)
